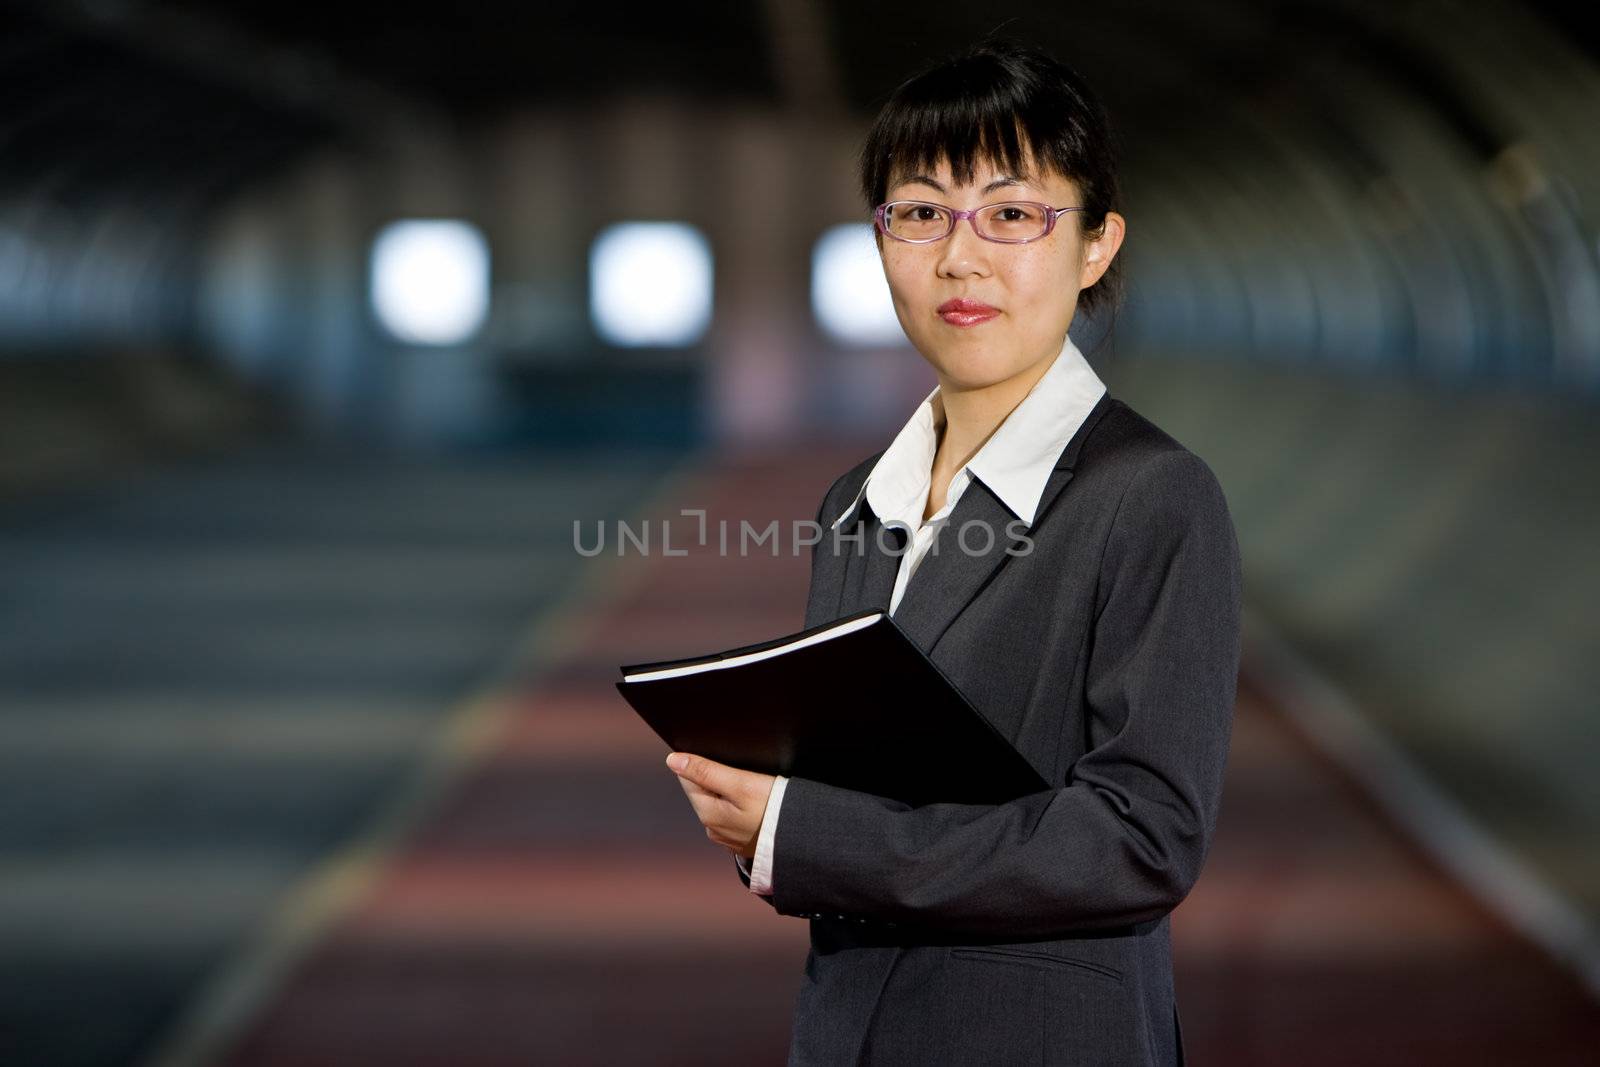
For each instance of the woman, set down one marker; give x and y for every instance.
(1104, 643)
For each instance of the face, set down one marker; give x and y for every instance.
(1034, 287)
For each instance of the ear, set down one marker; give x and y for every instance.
(1099, 252)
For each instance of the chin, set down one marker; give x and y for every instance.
(976, 371)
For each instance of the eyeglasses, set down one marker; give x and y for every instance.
(1015, 222)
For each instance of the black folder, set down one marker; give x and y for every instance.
(853, 702)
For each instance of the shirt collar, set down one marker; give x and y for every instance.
(1016, 460)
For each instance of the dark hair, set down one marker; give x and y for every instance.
(972, 105)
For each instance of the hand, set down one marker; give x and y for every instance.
(730, 802)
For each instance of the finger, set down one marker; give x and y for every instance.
(694, 789)
(712, 810)
(716, 777)
(705, 804)
(708, 807)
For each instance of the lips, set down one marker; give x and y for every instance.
(963, 312)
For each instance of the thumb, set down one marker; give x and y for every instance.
(697, 769)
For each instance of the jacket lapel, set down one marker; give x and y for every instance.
(956, 566)
(870, 570)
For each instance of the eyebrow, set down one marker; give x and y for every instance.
(998, 183)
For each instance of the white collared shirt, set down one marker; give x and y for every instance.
(1015, 462)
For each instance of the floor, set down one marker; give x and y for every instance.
(311, 761)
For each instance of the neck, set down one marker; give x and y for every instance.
(966, 418)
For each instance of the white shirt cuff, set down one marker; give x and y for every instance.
(761, 872)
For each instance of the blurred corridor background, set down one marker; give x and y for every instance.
(324, 328)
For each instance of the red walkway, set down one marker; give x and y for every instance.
(560, 904)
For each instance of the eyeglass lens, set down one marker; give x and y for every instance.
(916, 221)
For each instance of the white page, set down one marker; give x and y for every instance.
(751, 657)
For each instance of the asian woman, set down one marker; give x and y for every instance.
(1104, 644)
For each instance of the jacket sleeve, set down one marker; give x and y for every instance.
(1125, 839)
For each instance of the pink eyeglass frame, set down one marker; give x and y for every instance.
(1051, 214)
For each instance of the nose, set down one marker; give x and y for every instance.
(963, 254)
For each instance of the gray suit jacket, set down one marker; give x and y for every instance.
(1036, 931)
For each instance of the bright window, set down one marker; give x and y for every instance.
(650, 284)
(430, 280)
(849, 295)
